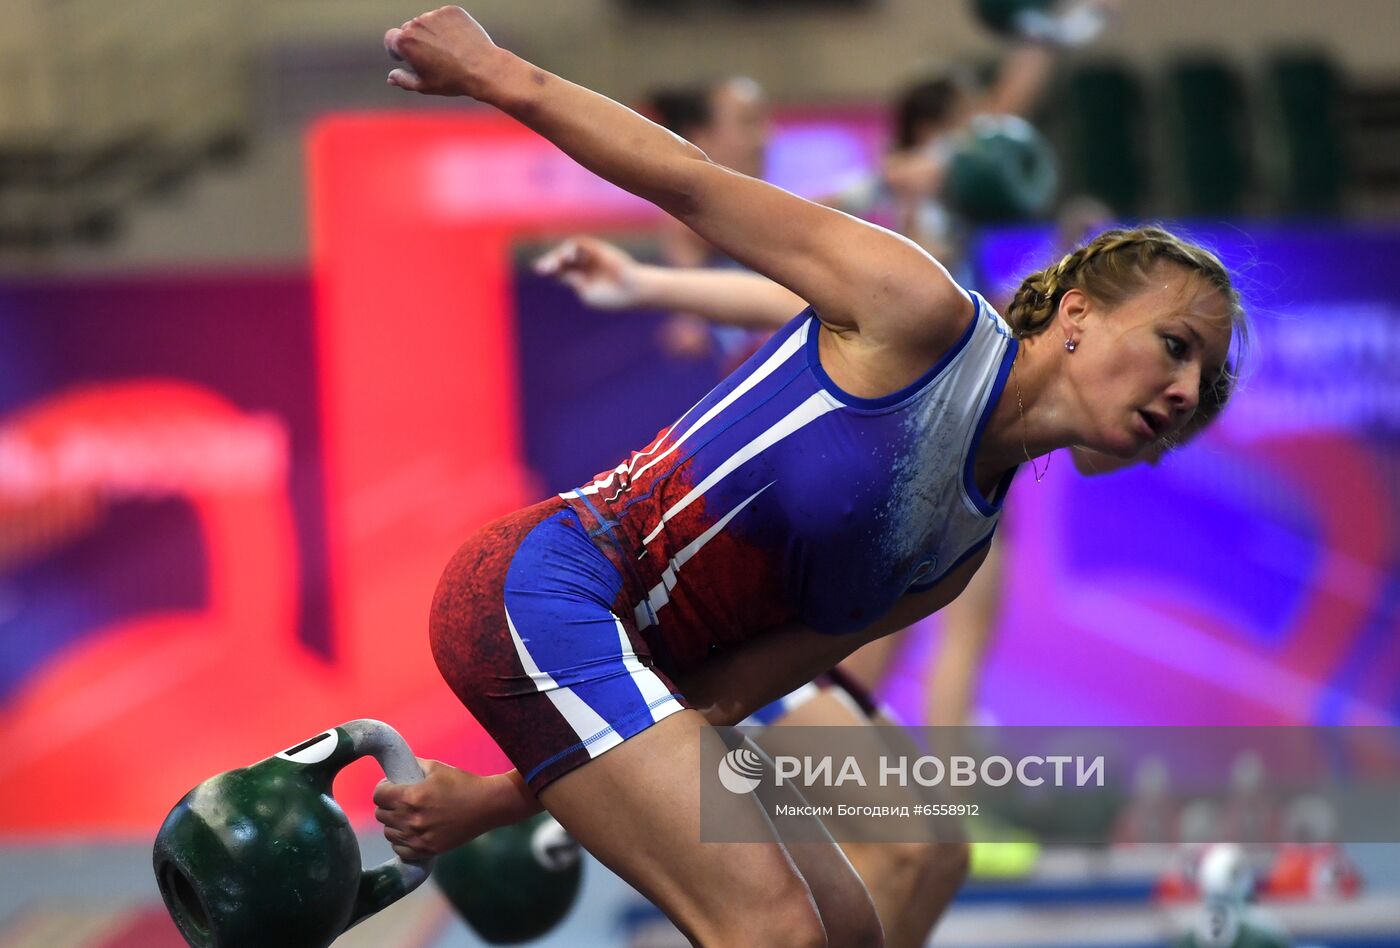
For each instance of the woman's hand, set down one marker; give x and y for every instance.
(603, 275)
(445, 52)
(449, 808)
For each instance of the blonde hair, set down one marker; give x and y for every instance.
(1115, 266)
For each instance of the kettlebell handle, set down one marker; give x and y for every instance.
(395, 878)
(371, 738)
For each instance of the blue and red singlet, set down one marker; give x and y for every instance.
(777, 498)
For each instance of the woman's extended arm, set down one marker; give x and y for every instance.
(859, 277)
(606, 277)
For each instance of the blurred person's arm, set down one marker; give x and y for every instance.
(911, 178)
(968, 625)
(1021, 81)
(915, 177)
(1024, 74)
(606, 277)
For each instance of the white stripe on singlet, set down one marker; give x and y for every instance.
(645, 611)
(816, 405)
(783, 353)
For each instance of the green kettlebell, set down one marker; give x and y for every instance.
(1009, 17)
(1001, 170)
(515, 883)
(264, 856)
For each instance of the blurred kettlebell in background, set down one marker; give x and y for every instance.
(1001, 169)
(515, 883)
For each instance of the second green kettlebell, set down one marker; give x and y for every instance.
(515, 883)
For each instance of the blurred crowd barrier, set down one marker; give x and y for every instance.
(99, 106)
(1189, 108)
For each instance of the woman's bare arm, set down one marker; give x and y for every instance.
(606, 277)
(724, 297)
(859, 277)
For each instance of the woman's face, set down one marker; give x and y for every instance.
(1137, 367)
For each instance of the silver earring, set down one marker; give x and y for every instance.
(1070, 345)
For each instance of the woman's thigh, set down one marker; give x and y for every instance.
(637, 809)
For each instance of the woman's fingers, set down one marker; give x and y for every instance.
(446, 52)
(406, 79)
(552, 262)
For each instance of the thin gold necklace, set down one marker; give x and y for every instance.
(1039, 474)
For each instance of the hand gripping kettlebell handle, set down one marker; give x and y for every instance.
(391, 880)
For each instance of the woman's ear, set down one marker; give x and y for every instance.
(1072, 313)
